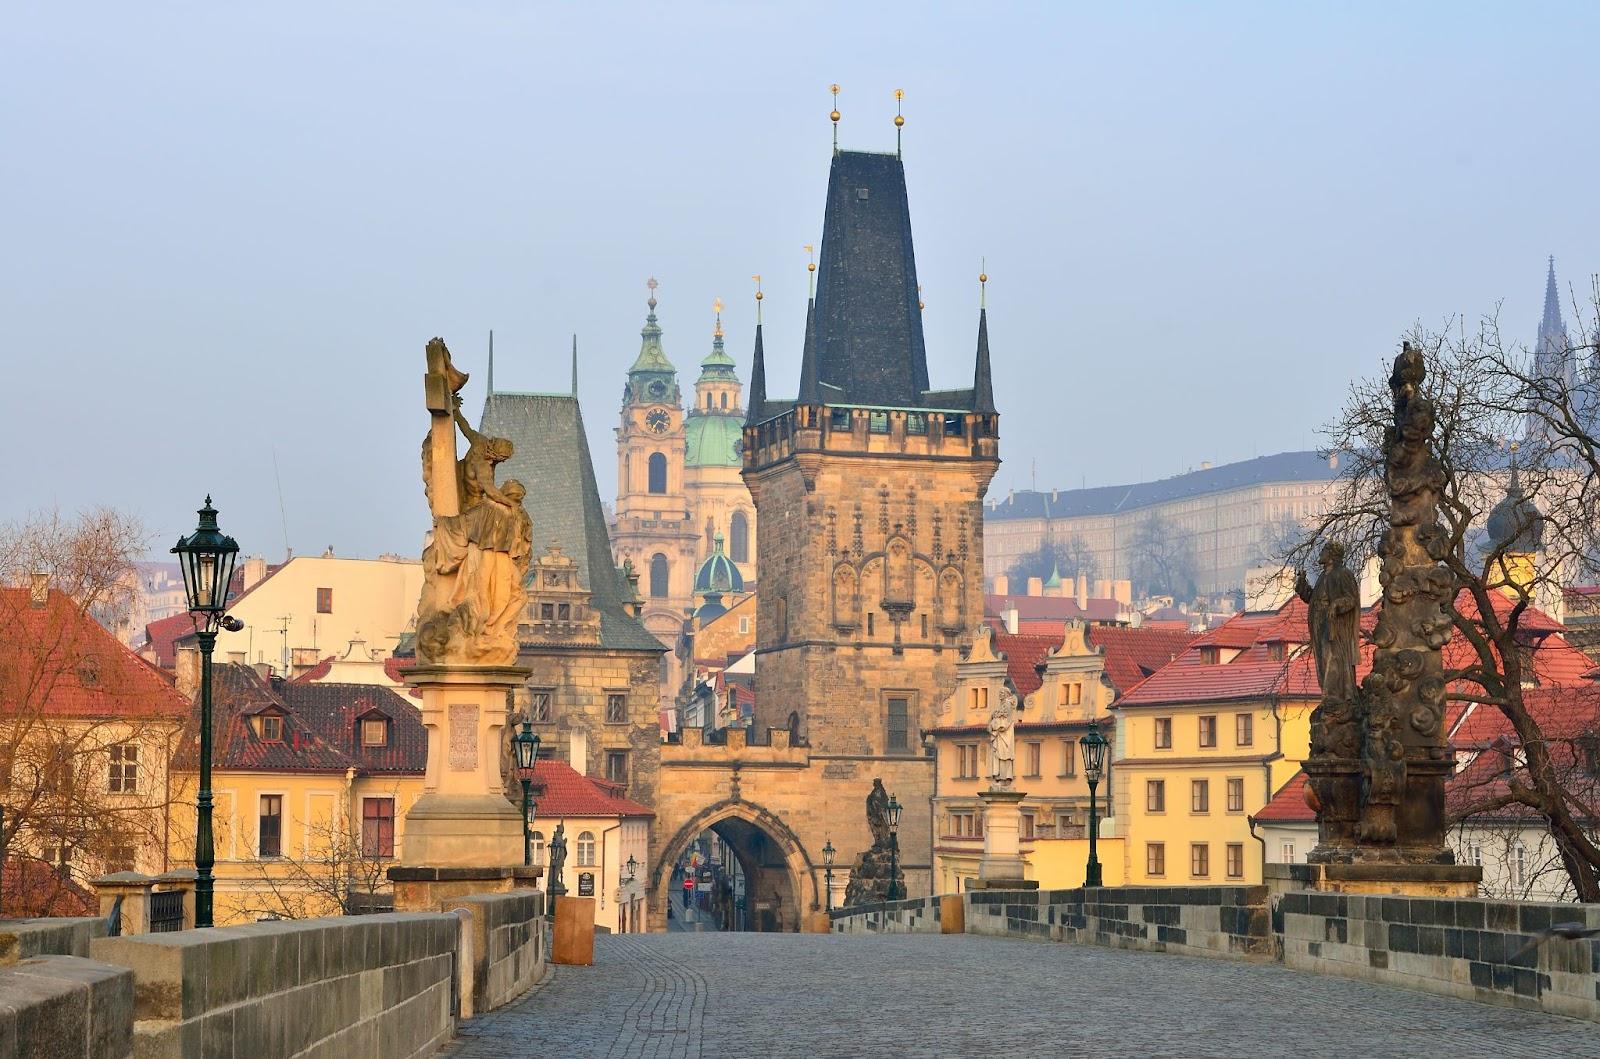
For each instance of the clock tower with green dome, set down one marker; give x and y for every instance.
(719, 502)
(653, 525)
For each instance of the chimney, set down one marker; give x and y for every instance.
(1083, 593)
(1002, 584)
(1035, 586)
(1102, 588)
(255, 568)
(1333, 461)
(186, 671)
(1122, 592)
(38, 588)
(1009, 617)
(263, 670)
(578, 751)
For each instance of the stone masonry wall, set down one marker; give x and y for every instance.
(64, 936)
(360, 985)
(64, 1006)
(507, 946)
(1466, 948)
(1461, 948)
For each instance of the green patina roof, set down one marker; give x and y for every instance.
(1055, 577)
(717, 365)
(713, 440)
(652, 358)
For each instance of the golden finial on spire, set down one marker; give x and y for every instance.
(716, 307)
(835, 115)
(920, 303)
(983, 283)
(757, 278)
(899, 119)
(811, 270)
(652, 284)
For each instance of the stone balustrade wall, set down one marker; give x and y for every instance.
(390, 985)
(66, 1006)
(1461, 947)
(1458, 947)
(64, 936)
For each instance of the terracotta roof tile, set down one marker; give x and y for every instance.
(1132, 654)
(562, 791)
(56, 659)
(1289, 806)
(1023, 655)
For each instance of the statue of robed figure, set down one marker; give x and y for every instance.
(477, 556)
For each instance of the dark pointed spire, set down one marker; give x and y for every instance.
(1552, 357)
(810, 390)
(758, 382)
(982, 382)
(1552, 303)
(574, 365)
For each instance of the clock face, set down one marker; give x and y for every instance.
(657, 420)
(658, 389)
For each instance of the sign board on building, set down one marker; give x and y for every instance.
(586, 884)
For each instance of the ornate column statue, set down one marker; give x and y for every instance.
(473, 567)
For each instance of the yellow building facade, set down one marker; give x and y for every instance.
(1205, 742)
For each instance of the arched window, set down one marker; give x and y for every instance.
(794, 728)
(739, 538)
(586, 849)
(658, 473)
(711, 534)
(724, 400)
(658, 576)
(538, 847)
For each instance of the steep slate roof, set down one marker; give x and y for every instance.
(868, 326)
(56, 660)
(1111, 499)
(567, 792)
(320, 731)
(552, 461)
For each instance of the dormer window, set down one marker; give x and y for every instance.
(1277, 652)
(271, 729)
(375, 731)
(1209, 655)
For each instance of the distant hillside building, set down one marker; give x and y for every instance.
(1230, 517)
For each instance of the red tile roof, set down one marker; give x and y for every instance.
(1023, 654)
(320, 733)
(32, 887)
(563, 791)
(1132, 654)
(1289, 806)
(161, 638)
(56, 659)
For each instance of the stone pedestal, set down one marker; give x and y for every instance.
(1001, 867)
(463, 823)
(435, 889)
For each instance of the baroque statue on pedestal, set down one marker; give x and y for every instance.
(1334, 606)
(475, 561)
(1003, 739)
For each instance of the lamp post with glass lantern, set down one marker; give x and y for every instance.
(1094, 759)
(526, 745)
(893, 893)
(828, 853)
(206, 557)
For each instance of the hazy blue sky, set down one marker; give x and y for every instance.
(230, 229)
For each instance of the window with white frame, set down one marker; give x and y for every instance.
(586, 848)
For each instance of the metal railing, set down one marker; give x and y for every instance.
(166, 911)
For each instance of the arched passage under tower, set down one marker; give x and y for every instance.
(744, 868)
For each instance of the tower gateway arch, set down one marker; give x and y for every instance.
(868, 487)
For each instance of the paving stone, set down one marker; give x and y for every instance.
(805, 995)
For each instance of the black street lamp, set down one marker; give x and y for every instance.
(828, 853)
(526, 745)
(1094, 760)
(894, 893)
(206, 557)
(633, 869)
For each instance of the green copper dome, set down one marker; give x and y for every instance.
(713, 441)
(718, 574)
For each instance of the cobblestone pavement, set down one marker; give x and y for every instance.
(925, 995)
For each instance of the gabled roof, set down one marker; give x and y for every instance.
(162, 635)
(551, 460)
(1132, 654)
(1289, 806)
(56, 660)
(320, 731)
(567, 792)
